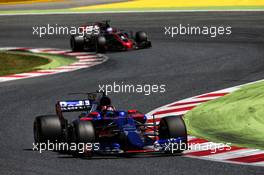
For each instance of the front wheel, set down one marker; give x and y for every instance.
(84, 134)
(172, 127)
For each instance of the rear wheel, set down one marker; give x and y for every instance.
(48, 127)
(77, 43)
(141, 37)
(173, 127)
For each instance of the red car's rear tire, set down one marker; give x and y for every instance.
(77, 43)
(141, 37)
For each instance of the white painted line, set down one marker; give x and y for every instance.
(78, 53)
(86, 56)
(8, 48)
(57, 51)
(91, 60)
(191, 137)
(235, 154)
(81, 63)
(259, 163)
(78, 66)
(6, 79)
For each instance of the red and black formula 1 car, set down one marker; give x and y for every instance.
(110, 131)
(101, 37)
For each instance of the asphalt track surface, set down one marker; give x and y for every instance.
(187, 65)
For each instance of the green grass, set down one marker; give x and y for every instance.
(20, 62)
(237, 118)
(56, 61)
(12, 63)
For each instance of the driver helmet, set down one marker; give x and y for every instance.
(108, 110)
(109, 29)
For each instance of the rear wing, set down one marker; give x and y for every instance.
(87, 104)
(72, 106)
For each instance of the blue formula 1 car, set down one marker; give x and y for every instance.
(110, 131)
